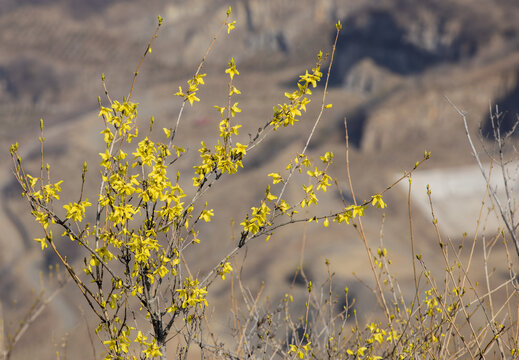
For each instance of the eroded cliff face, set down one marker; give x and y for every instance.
(385, 47)
(406, 56)
(407, 39)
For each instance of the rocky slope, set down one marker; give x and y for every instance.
(396, 60)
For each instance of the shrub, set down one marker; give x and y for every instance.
(133, 235)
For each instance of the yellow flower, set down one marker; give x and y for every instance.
(76, 211)
(232, 69)
(378, 202)
(206, 215)
(230, 26)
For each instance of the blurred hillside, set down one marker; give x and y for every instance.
(396, 60)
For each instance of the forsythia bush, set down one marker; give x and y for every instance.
(142, 222)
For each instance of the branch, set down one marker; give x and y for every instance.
(509, 226)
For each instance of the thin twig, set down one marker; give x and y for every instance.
(148, 50)
(380, 295)
(323, 105)
(509, 226)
